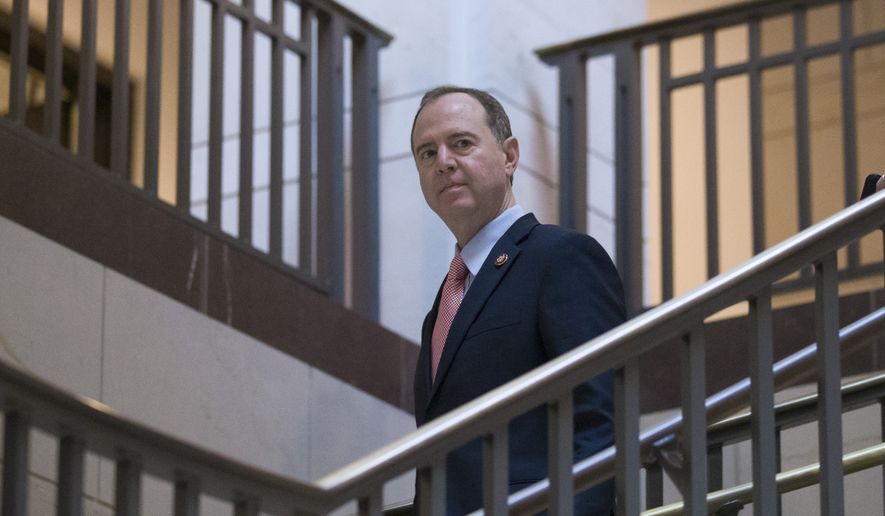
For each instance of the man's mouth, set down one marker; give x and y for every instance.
(451, 186)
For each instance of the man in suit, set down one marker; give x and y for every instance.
(518, 293)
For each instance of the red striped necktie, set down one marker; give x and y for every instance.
(450, 300)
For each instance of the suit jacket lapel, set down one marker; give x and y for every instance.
(483, 285)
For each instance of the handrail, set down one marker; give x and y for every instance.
(787, 481)
(675, 26)
(787, 371)
(798, 411)
(614, 347)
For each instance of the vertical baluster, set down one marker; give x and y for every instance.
(187, 496)
(826, 304)
(628, 173)
(849, 118)
(777, 465)
(432, 489)
(276, 135)
(560, 443)
(710, 158)
(495, 471)
(120, 91)
(246, 506)
(306, 153)
(371, 505)
(800, 67)
(762, 404)
(882, 432)
(627, 438)
(714, 467)
(330, 155)
(247, 124)
(756, 167)
(152, 95)
(216, 115)
(86, 85)
(16, 447)
(53, 71)
(654, 486)
(185, 104)
(573, 142)
(18, 60)
(127, 496)
(666, 129)
(70, 476)
(365, 230)
(694, 429)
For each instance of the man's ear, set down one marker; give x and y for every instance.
(511, 154)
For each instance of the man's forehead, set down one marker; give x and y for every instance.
(448, 114)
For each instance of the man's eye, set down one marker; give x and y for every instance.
(462, 144)
(427, 154)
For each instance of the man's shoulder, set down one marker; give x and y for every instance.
(552, 238)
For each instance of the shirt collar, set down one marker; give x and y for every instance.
(477, 250)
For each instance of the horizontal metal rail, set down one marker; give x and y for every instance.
(787, 481)
(798, 411)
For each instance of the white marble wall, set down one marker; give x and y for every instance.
(488, 45)
(97, 333)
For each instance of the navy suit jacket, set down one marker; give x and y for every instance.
(556, 290)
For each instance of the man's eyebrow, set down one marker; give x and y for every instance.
(422, 146)
(461, 134)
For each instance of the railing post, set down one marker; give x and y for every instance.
(573, 142)
(16, 446)
(216, 115)
(560, 454)
(185, 102)
(628, 173)
(371, 505)
(53, 71)
(762, 405)
(330, 155)
(187, 496)
(246, 506)
(306, 245)
(829, 366)
(365, 227)
(69, 501)
(694, 417)
(495, 451)
(127, 496)
(152, 96)
(86, 85)
(627, 438)
(432, 489)
(247, 127)
(666, 129)
(276, 136)
(18, 60)
(654, 486)
(710, 154)
(120, 91)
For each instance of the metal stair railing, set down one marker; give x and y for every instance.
(788, 371)
(619, 349)
(82, 424)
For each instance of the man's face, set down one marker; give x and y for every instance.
(464, 171)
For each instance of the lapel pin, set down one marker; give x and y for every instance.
(499, 261)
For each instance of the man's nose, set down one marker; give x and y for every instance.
(445, 161)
